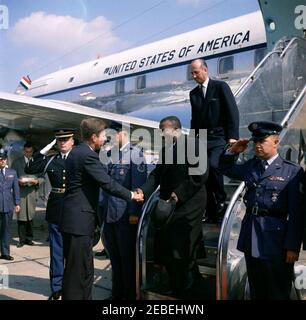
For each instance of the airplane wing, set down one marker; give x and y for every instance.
(35, 115)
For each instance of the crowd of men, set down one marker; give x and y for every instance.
(86, 192)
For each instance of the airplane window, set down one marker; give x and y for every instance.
(141, 82)
(259, 54)
(226, 65)
(71, 79)
(119, 88)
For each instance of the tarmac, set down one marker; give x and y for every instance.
(28, 274)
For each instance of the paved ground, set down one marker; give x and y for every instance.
(29, 272)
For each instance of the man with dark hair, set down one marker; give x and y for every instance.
(29, 185)
(85, 175)
(213, 107)
(177, 243)
(53, 163)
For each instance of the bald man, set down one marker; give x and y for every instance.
(213, 107)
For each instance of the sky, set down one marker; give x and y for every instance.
(44, 36)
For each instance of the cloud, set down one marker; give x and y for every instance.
(56, 35)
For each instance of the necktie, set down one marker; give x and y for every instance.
(203, 90)
(264, 166)
(2, 172)
(64, 157)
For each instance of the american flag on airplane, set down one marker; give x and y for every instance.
(26, 82)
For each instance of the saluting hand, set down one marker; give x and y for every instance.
(291, 256)
(239, 146)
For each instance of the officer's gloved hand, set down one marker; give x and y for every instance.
(45, 150)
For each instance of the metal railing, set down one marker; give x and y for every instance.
(141, 233)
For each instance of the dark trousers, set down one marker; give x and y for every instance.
(56, 257)
(5, 232)
(182, 274)
(269, 279)
(25, 231)
(79, 268)
(215, 183)
(120, 240)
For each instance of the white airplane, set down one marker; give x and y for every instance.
(139, 85)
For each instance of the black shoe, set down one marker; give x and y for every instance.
(29, 242)
(55, 295)
(7, 257)
(20, 245)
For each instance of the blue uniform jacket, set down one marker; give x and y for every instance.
(9, 191)
(276, 190)
(130, 174)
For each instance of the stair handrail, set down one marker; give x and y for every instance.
(251, 76)
(263, 61)
(138, 238)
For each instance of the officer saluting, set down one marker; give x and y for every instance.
(54, 165)
(271, 231)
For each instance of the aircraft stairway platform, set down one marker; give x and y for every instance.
(275, 91)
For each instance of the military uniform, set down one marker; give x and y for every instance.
(54, 166)
(9, 197)
(272, 224)
(120, 235)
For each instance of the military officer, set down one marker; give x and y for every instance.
(127, 167)
(271, 231)
(9, 198)
(53, 163)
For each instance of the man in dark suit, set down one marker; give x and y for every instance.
(178, 242)
(85, 175)
(271, 230)
(127, 167)
(53, 163)
(213, 107)
(9, 198)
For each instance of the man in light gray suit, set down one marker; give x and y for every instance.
(28, 192)
(9, 198)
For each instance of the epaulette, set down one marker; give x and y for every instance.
(292, 163)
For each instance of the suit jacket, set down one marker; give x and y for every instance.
(130, 175)
(9, 191)
(277, 190)
(184, 231)
(218, 113)
(85, 175)
(28, 194)
(57, 175)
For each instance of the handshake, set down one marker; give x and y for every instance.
(137, 195)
